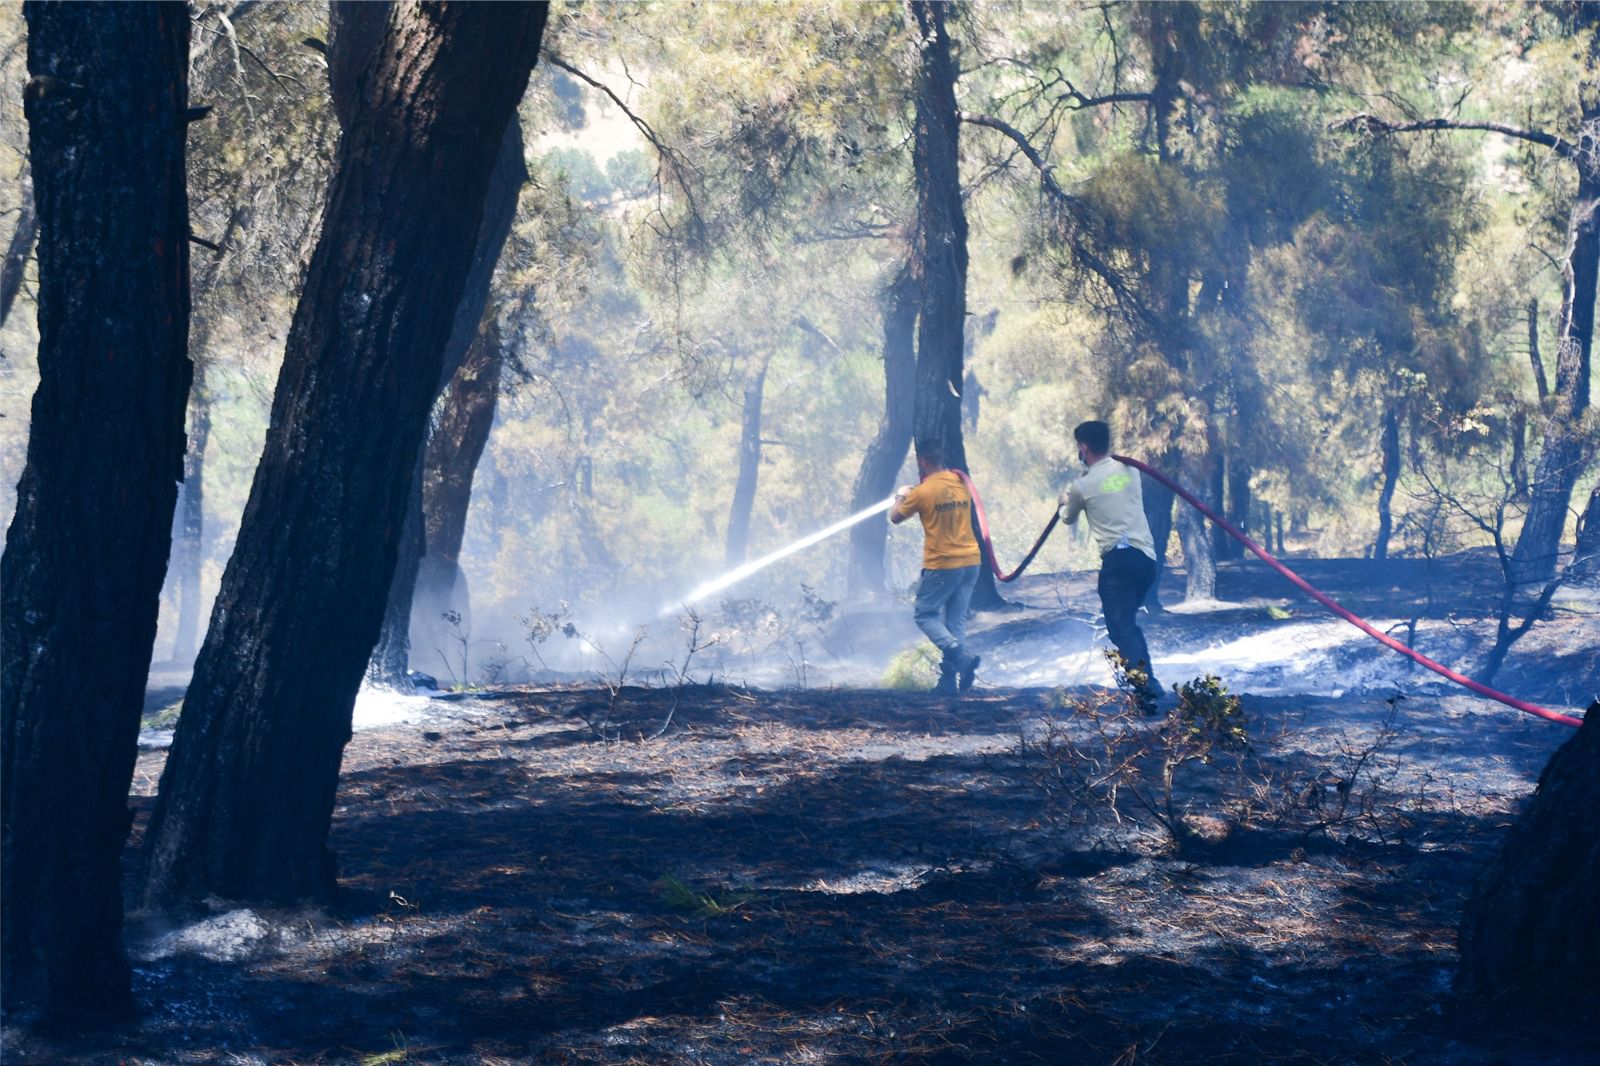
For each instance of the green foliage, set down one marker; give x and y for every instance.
(915, 669)
(1210, 717)
(674, 893)
(578, 170)
(165, 718)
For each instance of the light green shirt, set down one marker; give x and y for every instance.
(1113, 498)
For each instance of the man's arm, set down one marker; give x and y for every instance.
(904, 507)
(1072, 504)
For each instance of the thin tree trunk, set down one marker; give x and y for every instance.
(1540, 382)
(1389, 445)
(87, 548)
(887, 452)
(454, 449)
(1519, 451)
(21, 246)
(1219, 495)
(1563, 457)
(1199, 560)
(1238, 501)
(1585, 566)
(1158, 500)
(247, 794)
(188, 549)
(744, 488)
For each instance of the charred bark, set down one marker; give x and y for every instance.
(391, 656)
(939, 250)
(744, 487)
(248, 790)
(939, 242)
(1389, 446)
(1199, 558)
(1158, 500)
(87, 549)
(1239, 501)
(21, 246)
(454, 448)
(887, 452)
(1528, 934)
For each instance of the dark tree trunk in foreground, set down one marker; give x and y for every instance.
(939, 249)
(454, 448)
(19, 249)
(87, 548)
(1389, 447)
(248, 790)
(744, 486)
(510, 174)
(939, 241)
(887, 452)
(1529, 933)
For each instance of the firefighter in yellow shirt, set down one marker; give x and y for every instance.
(950, 561)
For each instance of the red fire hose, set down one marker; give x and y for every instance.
(1298, 581)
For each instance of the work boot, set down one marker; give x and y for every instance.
(968, 672)
(1149, 699)
(947, 676)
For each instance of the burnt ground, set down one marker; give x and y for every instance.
(845, 875)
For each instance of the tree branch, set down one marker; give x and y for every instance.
(1368, 123)
(1070, 207)
(668, 155)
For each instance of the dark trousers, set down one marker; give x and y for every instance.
(1126, 575)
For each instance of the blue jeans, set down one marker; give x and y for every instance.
(943, 597)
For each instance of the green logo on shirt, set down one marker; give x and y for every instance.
(1115, 482)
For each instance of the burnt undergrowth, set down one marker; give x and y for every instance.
(841, 876)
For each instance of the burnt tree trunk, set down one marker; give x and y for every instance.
(454, 448)
(939, 239)
(939, 250)
(887, 452)
(87, 548)
(1585, 566)
(188, 550)
(21, 246)
(1239, 500)
(1158, 500)
(1199, 549)
(1389, 449)
(744, 487)
(247, 794)
(357, 31)
(1528, 933)
(1540, 381)
(391, 656)
(1562, 458)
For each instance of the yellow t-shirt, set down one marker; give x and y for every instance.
(945, 507)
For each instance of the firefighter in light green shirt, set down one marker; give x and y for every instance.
(1110, 495)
